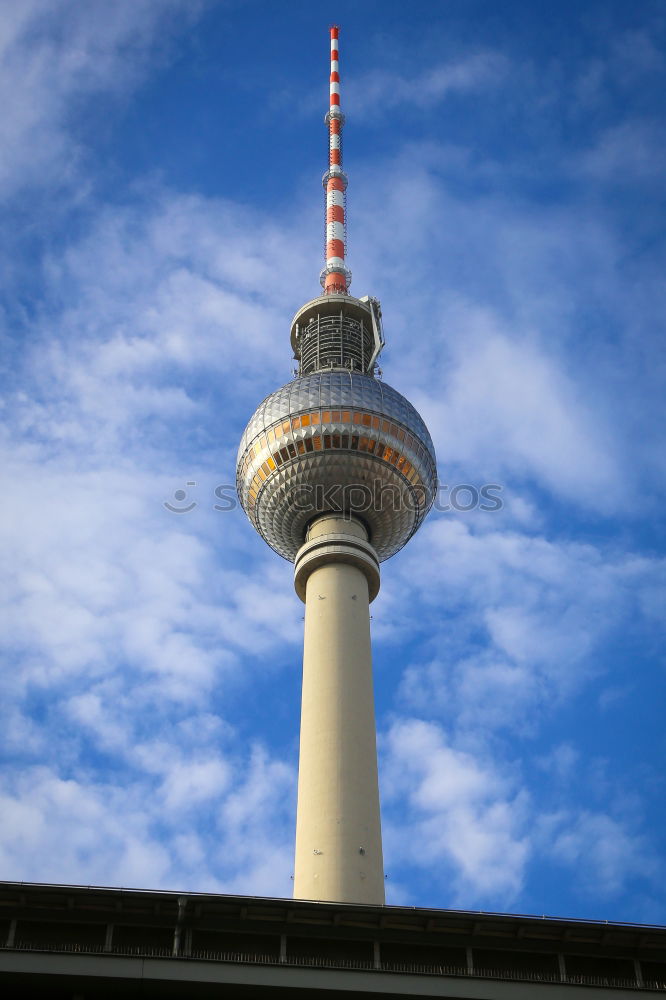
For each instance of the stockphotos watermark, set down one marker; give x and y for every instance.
(358, 497)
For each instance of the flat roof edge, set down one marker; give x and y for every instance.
(426, 911)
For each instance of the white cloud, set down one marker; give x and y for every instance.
(141, 339)
(463, 820)
(530, 616)
(531, 331)
(102, 836)
(56, 53)
(382, 89)
(98, 572)
(561, 761)
(101, 575)
(132, 625)
(630, 153)
(206, 832)
(509, 410)
(602, 852)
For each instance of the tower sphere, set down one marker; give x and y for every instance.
(335, 439)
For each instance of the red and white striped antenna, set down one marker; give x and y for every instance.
(336, 276)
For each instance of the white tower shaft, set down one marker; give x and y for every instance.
(338, 832)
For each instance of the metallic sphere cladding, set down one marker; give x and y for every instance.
(331, 441)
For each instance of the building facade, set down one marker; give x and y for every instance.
(85, 942)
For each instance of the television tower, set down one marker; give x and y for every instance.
(336, 471)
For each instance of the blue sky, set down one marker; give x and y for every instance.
(161, 193)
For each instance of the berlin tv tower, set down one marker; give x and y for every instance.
(336, 471)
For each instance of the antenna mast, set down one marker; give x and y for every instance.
(336, 276)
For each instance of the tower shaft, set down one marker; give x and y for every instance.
(338, 832)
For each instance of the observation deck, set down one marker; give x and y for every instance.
(337, 332)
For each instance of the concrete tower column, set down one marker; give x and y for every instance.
(338, 832)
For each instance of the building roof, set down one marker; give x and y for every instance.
(190, 939)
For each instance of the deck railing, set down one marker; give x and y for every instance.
(331, 962)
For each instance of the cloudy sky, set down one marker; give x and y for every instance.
(160, 188)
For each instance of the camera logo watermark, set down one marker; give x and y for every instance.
(180, 496)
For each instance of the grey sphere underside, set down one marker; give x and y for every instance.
(335, 441)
